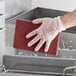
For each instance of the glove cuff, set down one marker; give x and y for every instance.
(59, 25)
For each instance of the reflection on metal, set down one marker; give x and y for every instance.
(69, 68)
(2, 68)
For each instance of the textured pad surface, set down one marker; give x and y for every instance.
(23, 27)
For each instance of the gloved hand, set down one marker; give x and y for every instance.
(48, 30)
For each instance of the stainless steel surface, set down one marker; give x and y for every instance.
(66, 45)
(64, 53)
(17, 74)
(14, 7)
(48, 65)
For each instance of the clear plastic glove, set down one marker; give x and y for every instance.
(48, 30)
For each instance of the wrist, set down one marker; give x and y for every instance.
(68, 20)
(64, 22)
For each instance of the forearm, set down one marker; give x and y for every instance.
(69, 20)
